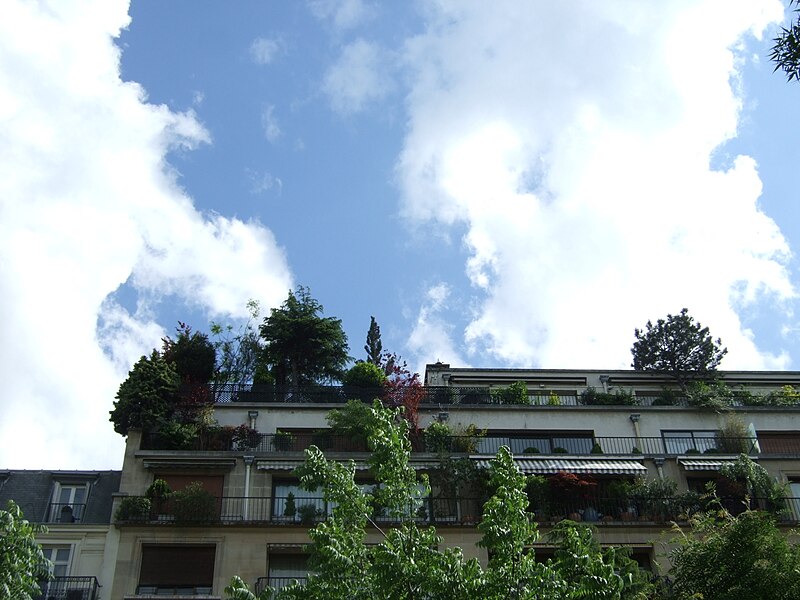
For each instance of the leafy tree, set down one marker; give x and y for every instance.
(365, 375)
(22, 562)
(374, 347)
(403, 388)
(677, 346)
(785, 52)
(409, 562)
(237, 351)
(735, 558)
(354, 421)
(302, 346)
(192, 354)
(147, 396)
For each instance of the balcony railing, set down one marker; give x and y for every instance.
(70, 588)
(65, 512)
(277, 583)
(444, 511)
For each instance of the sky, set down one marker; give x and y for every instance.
(504, 184)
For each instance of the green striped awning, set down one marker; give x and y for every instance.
(546, 466)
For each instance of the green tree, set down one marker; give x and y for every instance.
(22, 563)
(237, 350)
(677, 346)
(409, 562)
(193, 355)
(735, 558)
(785, 52)
(302, 346)
(374, 347)
(147, 396)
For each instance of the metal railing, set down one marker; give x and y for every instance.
(276, 583)
(69, 588)
(65, 512)
(433, 510)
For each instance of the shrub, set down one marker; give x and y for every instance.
(560, 450)
(596, 449)
(245, 437)
(158, 490)
(554, 399)
(365, 375)
(466, 439)
(290, 510)
(283, 441)
(133, 509)
(733, 437)
(308, 513)
(620, 397)
(715, 395)
(516, 393)
(194, 504)
(437, 437)
(354, 420)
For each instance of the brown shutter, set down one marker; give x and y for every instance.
(177, 565)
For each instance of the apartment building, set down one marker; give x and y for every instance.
(588, 435)
(80, 542)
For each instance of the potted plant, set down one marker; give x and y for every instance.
(193, 504)
(308, 513)
(289, 509)
(283, 441)
(159, 493)
(437, 437)
(133, 508)
(245, 437)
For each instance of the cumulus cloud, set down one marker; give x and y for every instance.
(574, 145)
(264, 50)
(88, 203)
(343, 14)
(431, 337)
(272, 129)
(358, 77)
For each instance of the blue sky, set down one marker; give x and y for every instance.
(500, 184)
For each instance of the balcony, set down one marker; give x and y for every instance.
(65, 512)
(449, 511)
(70, 588)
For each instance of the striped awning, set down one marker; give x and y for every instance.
(546, 466)
(291, 465)
(705, 464)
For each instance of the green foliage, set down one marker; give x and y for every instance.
(133, 509)
(465, 439)
(283, 440)
(364, 381)
(713, 395)
(620, 397)
(147, 396)
(516, 393)
(733, 437)
(302, 346)
(158, 490)
(553, 399)
(735, 558)
(245, 437)
(354, 421)
(437, 437)
(177, 436)
(237, 350)
(193, 504)
(757, 481)
(786, 396)
(785, 51)
(192, 354)
(290, 510)
(677, 346)
(374, 347)
(22, 563)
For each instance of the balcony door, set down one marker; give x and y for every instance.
(68, 504)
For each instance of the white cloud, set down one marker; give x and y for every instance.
(358, 77)
(430, 338)
(269, 122)
(343, 14)
(88, 203)
(263, 182)
(574, 145)
(264, 50)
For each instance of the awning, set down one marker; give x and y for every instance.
(705, 464)
(546, 466)
(291, 465)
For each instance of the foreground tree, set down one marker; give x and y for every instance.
(785, 52)
(678, 346)
(735, 558)
(300, 345)
(409, 562)
(22, 563)
(238, 350)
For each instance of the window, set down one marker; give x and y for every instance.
(59, 558)
(68, 503)
(689, 442)
(779, 442)
(286, 568)
(291, 503)
(180, 569)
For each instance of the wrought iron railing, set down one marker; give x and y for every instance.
(442, 511)
(65, 512)
(70, 588)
